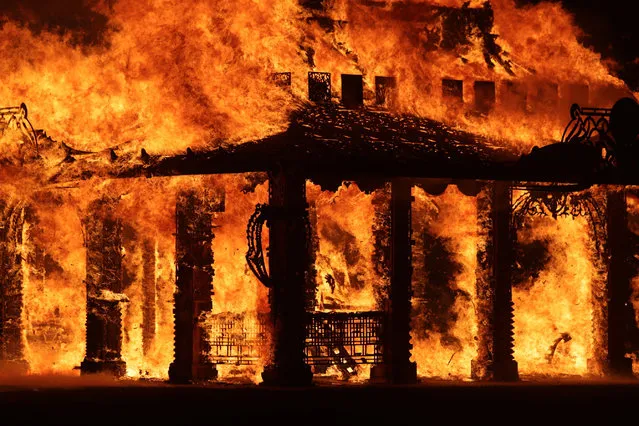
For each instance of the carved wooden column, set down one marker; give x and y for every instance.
(103, 241)
(194, 280)
(620, 314)
(289, 265)
(12, 217)
(381, 244)
(397, 367)
(402, 370)
(148, 295)
(494, 286)
(381, 257)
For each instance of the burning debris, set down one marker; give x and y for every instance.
(564, 337)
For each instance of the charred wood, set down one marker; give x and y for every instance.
(397, 367)
(194, 281)
(104, 282)
(289, 266)
(149, 295)
(12, 220)
(495, 359)
(621, 319)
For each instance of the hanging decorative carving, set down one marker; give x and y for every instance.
(561, 204)
(255, 252)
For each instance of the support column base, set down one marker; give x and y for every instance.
(14, 367)
(620, 369)
(298, 375)
(491, 371)
(115, 368)
(189, 374)
(402, 375)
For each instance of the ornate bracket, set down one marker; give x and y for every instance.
(255, 252)
(591, 126)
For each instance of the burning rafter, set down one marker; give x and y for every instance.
(322, 140)
(327, 140)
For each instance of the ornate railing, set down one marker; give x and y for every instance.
(238, 338)
(591, 126)
(343, 339)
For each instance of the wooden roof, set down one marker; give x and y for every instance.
(330, 142)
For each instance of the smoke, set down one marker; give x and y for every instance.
(85, 22)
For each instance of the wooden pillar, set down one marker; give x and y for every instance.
(397, 367)
(148, 295)
(12, 217)
(381, 245)
(103, 241)
(620, 314)
(289, 265)
(494, 287)
(194, 281)
(313, 248)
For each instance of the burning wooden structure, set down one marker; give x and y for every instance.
(328, 144)
(358, 139)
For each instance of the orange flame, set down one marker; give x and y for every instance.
(197, 74)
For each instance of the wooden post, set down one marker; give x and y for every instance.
(494, 287)
(402, 369)
(103, 241)
(148, 295)
(12, 218)
(620, 314)
(194, 280)
(397, 367)
(289, 265)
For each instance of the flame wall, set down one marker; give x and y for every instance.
(444, 258)
(167, 75)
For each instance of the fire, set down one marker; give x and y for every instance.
(170, 75)
(54, 312)
(344, 261)
(444, 320)
(235, 288)
(553, 306)
(173, 75)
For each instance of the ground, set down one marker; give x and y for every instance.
(95, 400)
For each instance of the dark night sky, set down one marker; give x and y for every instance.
(610, 28)
(608, 25)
